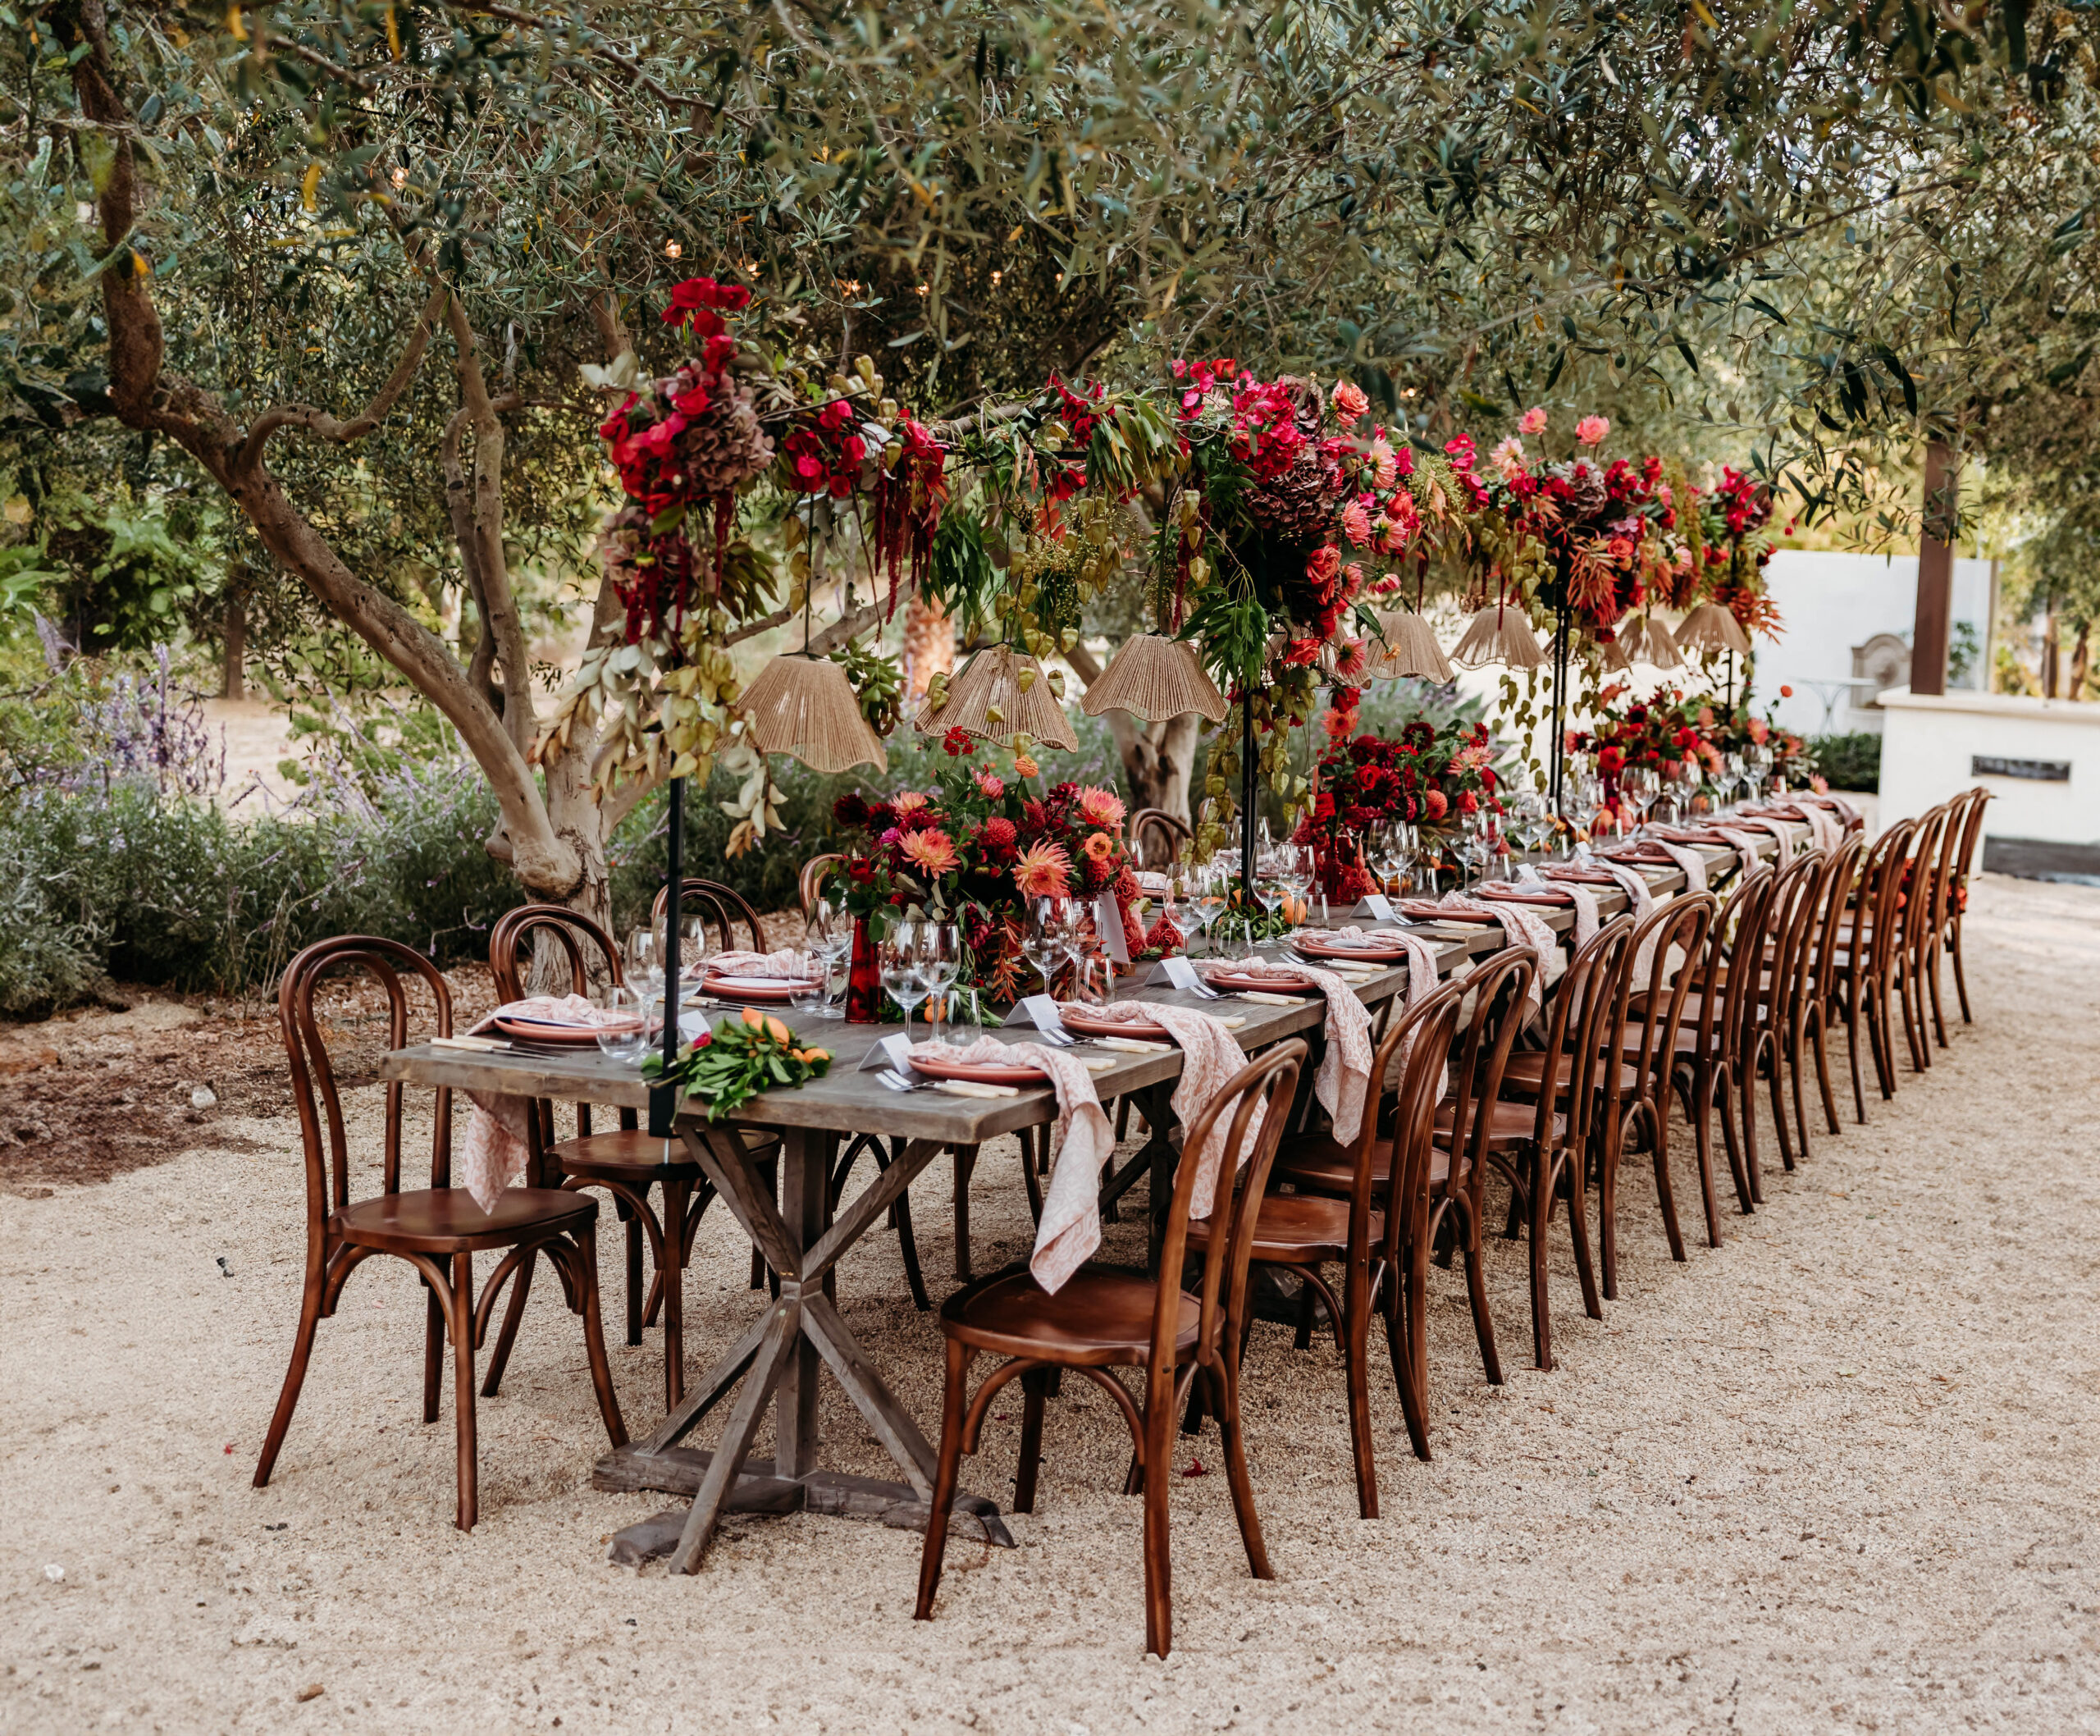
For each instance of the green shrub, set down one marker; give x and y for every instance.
(1850, 762)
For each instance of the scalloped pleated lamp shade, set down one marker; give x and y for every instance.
(1642, 639)
(804, 707)
(990, 683)
(1155, 678)
(1410, 649)
(1501, 632)
(1710, 628)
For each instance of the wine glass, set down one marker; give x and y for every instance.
(899, 969)
(828, 936)
(627, 1041)
(940, 959)
(1043, 942)
(1297, 868)
(645, 960)
(1473, 846)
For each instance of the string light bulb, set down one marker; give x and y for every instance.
(672, 250)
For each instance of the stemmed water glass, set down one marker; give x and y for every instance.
(1042, 943)
(940, 960)
(1207, 896)
(1636, 791)
(1757, 760)
(1296, 870)
(628, 1040)
(1472, 847)
(645, 961)
(899, 969)
(828, 940)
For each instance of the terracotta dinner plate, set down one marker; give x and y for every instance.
(1526, 895)
(544, 1031)
(1583, 876)
(1426, 912)
(1652, 853)
(754, 987)
(935, 1065)
(1084, 1023)
(1241, 982)
(1373, 952)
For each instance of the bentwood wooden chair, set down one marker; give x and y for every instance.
(1963, 866)
(1302, 1233)
(1918, 917)
(1715, 1065)
(625, 1161)
(1865, 961)
(1551, 1161)
(1950, 872)
(438, 1229)
(809, 884)
(1809, 1025)
(1647, 1046)
(1158, 838)
(1761, 961)
(1104, 1318)
(724, 909)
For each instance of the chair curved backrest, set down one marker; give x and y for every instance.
(1680, 926)
(1480, 1056)
(1917, 903)
(1741, 923)
(1949, 870)
(515, 942)
(722, 907)
(811, 881)
(1840, 882)
(321, 1129)
(1147, 824)
(1425, 1052)
(1972, 830)
(1266, 1084)
(1587, 997)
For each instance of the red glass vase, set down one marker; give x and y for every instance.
(864, 979)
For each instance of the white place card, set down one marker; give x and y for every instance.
(1176, 973)
(1377, 907)
(894, 1052)
(1108, 924)
(1038, 1010)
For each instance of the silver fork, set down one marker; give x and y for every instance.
(898, 1082)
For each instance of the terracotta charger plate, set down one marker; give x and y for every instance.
(1525, 895)
(1082, 1023)
(546, 1030)
(925, 1060)
(1584, 877)
(1653, 854)
(755, 988)
(1371, 952)
(1426, 912)
(1242, 982)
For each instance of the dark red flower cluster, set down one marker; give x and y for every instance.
(698, 304)
(1266, 436)
(1422, 776)
(827, 459)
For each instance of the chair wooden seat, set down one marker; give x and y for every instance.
(1509, 1124)
(446, 1220)
(1102, 1316)
(632, 1152)
(1526, 1070)
(1318, 1163)
(1297, 1230)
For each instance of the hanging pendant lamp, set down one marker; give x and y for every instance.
(1155, 678)
(991, 699)
(1710, 629)
(1410, 648)
(803, 705)
(1502, 633)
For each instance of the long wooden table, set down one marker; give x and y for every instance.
(777, 1357)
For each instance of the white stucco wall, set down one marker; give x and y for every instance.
(1930, 741)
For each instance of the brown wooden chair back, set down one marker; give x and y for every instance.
(316, 1090)
(1655, 1017)
(1266, 1085)
(1918, 903)
(1585, 1001)
(810, 882)
(1719, 1020)
(1150, 826)
(1479, 1056)
(722, 907)
(1427, 1035)
(1841, 881)
(514, 946)
(1972, 833)
(1877, 911)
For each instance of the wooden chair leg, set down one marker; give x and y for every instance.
(966, 1163)
(521, 1284)
(634, 1284)
(1356, 1372)
(1159, 1480)
(1034, 1397)
(1490, 1360)
(280, 1419)
(953, 1393)
(1823, 1081)
(585, 1262)
(1961, 975)
(1657, 1118)
(1578, 1228)
(462, 1382)
(433, 1352)
(1539, 1198)
(1932, 982)
(1852, 1059)
(1607, 1213)
(1224, 1397)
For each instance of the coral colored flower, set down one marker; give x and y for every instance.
(1353, 574)
(990, 785)
(1349, 403)
(1043, 871)
(1507, 459)
(1356, 523)
(1024, 766)
(932, 851)
(997, 838)
(1101, 807)
(1351, 658)
(1533, 420)
(1591, 430)
(1323, 564)
(1385, 466)
(1099, 847)
(1434, 805)
(909, 802)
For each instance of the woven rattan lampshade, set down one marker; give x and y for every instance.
(990, 681)
(1642, 639)
(1410, 649)
(1500, 633)
(804, 707)
(1155, 678)
(1710, 628)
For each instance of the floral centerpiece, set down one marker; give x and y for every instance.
(1735, 512)
(978, 847)
(1431, 775)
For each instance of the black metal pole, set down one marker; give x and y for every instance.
(1557, 749)
(1247, 787)
(664, 1099)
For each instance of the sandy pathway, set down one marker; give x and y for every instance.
(1836, 1475)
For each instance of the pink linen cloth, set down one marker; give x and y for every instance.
(1844, 810)
(1070, 1229)
(1736, 833)
(1423, 978)
(1829, 833)
(1344, 1075)
(788, 963)
(1693, 864)
(1521, 927)
(494, 1153)
(1210, 1055)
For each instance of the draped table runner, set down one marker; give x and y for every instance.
(1344, 1074)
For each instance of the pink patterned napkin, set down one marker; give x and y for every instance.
(1521, 927)
(1211, 1055)
(1828, 833)
(1693, 864)
(1736, 835)
(1070, 1229)
(494, 1153)
(1344, 1075)
(787, 962)
(1843, 809)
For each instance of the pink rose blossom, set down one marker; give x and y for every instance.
(990, 785)
(1350, 404)
(1356, 523)
(1591, 430)
(1508, 458)
(1533, 420)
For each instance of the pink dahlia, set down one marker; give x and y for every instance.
(1043, 871)
(1101, 807)
(932, 851)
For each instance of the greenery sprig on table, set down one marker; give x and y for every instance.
(725, 1068)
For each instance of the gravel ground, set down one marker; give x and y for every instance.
(1835, 1475)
